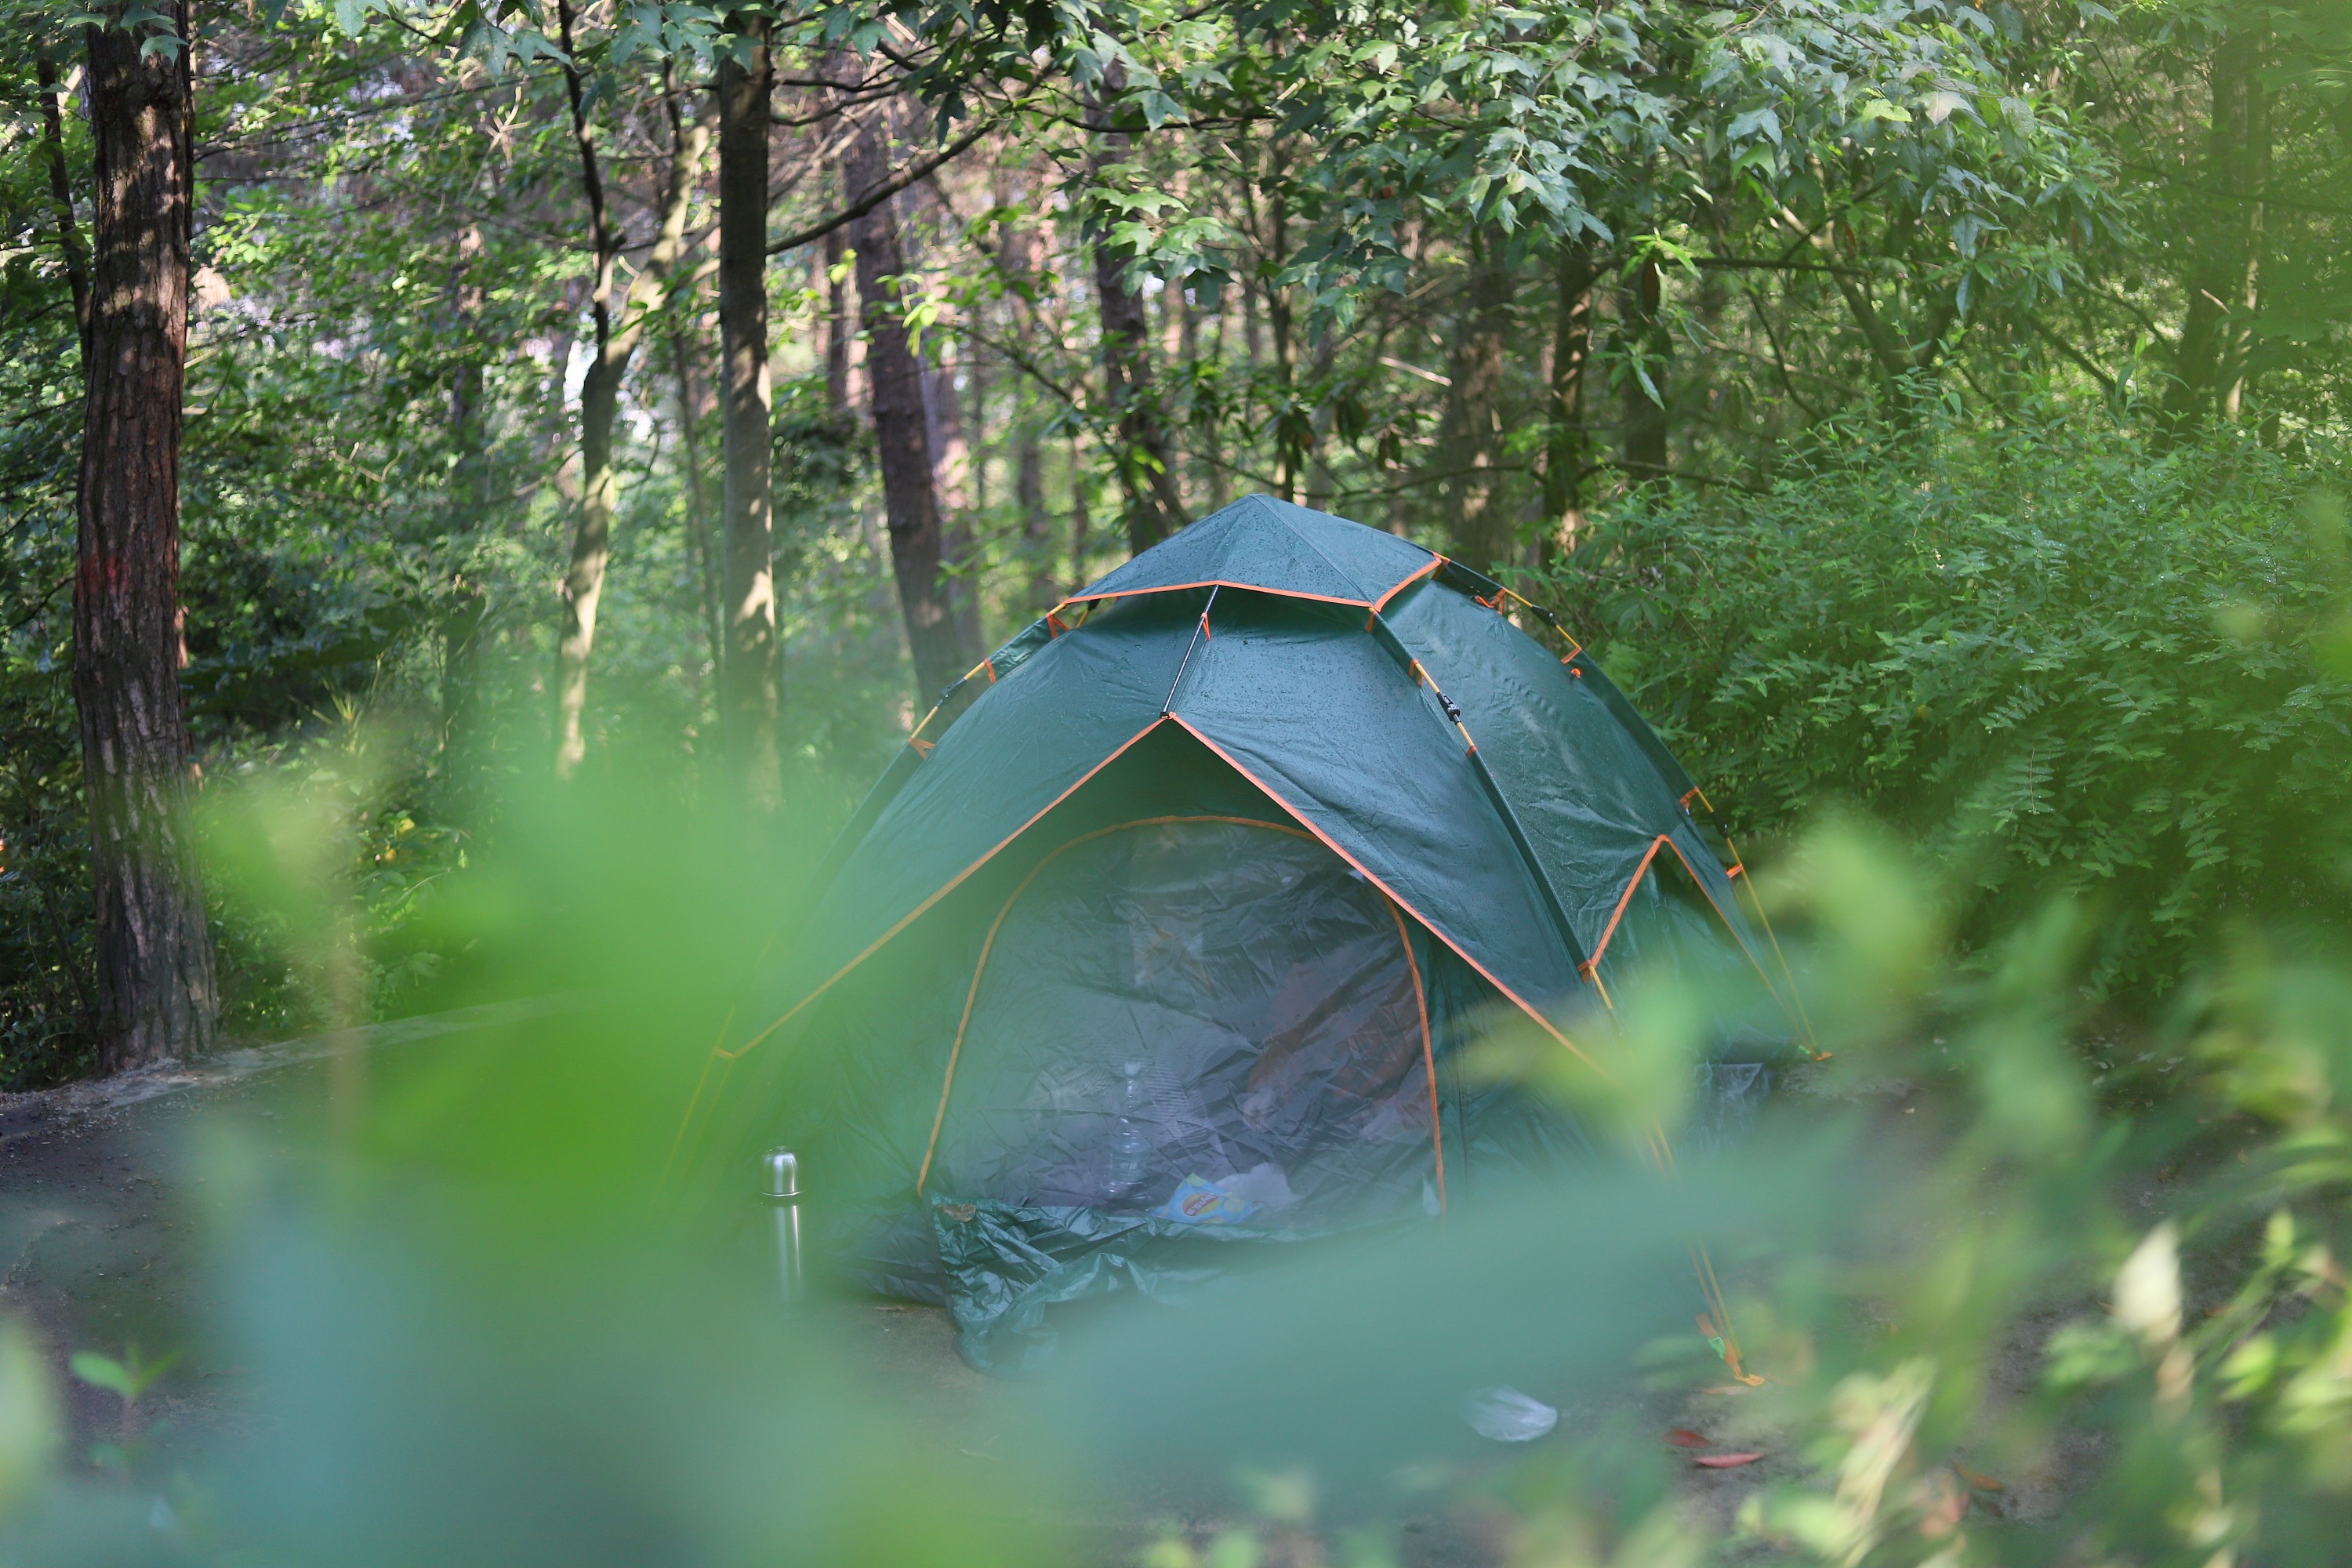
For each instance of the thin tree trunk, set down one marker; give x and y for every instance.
(748, 690)
(951, 453)
(156, 993)
(702, 549)
(1253, 336)
(1036, 521)
(1472, 450)
(1644, 337)
(1020, 260)
(464, 605)
(2238, 338)
(1154, 509)
(1082, 542)
(974, 365)
(1567, 449)
(894, 378)
(76, 258)
(837, 329)
(1289, 442)
(1188, 358)
(970, 549)
(1211, 433)
(2225, 267)
(599, 391)
(583, 579)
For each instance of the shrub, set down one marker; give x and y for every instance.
(2055, 656)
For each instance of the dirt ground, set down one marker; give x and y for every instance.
(94, 1255)
(97, 1253)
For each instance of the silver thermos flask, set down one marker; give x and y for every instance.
(779, 1186)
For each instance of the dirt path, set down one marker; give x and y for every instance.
(97, 1211)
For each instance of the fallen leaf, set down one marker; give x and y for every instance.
(1982, 1483)
(1725, 1461)
(1683, 1437)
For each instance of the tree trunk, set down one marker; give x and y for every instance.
(1037, 519)
(600, 391)
(76, 258)
(894, 379)
(1188, 358)
(2240, 341)
(748, 688)
(1154, 509)
(464, 606)
(1471, 451)
(2209, 358)
(951, 453)
(1210, 433)
(702, 549)
(1082, 542)
(1644, 336)
(1566, 449)
(1018, 256)
(837, 329)
(156, 986)
(1289, 441)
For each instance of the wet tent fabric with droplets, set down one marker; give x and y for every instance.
(1159, 949)
(1276, 547)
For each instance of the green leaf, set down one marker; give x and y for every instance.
(102, 1372)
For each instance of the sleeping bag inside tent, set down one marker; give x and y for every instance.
(1159, 946)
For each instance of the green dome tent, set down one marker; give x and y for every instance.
(1163, 937)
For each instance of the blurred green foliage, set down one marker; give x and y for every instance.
(2000, 1320)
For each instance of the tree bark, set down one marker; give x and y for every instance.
(1567, 449)
(1036, 518)
(1188, 361)
(156, 993)
(951, 453)
(2239, 339)
(1290, 435)
(1471, 451)
(2216, 334)
(599, 390)
(702, 549)
(1082, 523)
(1018, 256)
(1646, 349)
(837, 329)
(1154, 509)
(1216, 482)
(749, 684)
(464, 606)
(76, 258)
(894, 379)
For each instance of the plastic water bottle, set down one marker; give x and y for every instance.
(1131, 1147)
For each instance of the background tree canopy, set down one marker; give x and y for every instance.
(1920, 403)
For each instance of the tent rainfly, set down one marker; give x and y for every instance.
(1167, 930)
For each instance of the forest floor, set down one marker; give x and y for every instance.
(99, 1212)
